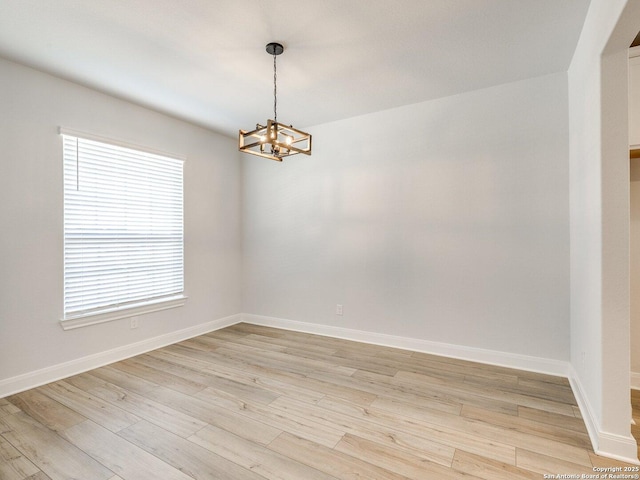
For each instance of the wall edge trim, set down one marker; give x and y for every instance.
(617, 447)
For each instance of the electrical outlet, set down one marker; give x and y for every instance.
(338, 309)
(134, 322)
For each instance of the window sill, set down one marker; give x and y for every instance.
(79, 321)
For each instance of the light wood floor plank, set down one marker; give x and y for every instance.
(286, 362)
(365, 363)
(14, 465)
(7, 408)
(490, 469)
(56, 457)
(195, 371)
(347, 347)
(552, 448)
(385, 387)
(126, 379)
(547, 464)
(434, 392)
(418, 421)
(43, 476)
(185, 456)
(148, 368)
(306, 386)
(426, 363)
(251, 390)
(90, 406)
(489, 369)
(266, 380)
(395, 460)
(501, 433)
(549, 391)
(230, 333)
(311, 340)
(428, 443)
(297, 424)
(442, 426)
(524, 425)
(255, 457)
(211, 412)
(415, 409)
(43, 409)
(122, 457)
(252, 341)
(443, 370)
(564, 421)
(204, 342)
(143, 407)
(285, 344)
(488, 393)
(329, 460)
(195, 345)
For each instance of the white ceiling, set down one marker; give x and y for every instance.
(204, 60)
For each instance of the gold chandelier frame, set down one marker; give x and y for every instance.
(274, 140)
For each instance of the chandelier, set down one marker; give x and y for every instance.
(274, 140)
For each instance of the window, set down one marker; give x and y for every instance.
(123, 231)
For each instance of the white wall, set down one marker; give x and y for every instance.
(635, 271)
(634, 96)
(32, 106)
(445, 221)
(599, 183)
(634, 237)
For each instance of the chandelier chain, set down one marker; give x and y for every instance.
(275, 90)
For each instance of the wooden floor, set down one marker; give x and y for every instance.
(250, 402)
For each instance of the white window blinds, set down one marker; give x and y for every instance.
(123, 227)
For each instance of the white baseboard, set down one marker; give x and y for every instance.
(492, 357)
(635, 376)
(53, 373)
(618, 447)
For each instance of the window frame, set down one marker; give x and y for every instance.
(144, 306)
